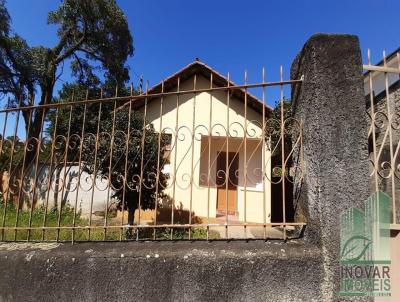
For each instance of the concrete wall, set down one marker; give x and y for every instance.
(161, 271)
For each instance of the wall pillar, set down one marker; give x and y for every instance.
(330, 102)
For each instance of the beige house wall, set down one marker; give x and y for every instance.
(199, 113)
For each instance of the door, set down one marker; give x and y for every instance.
(227, 194)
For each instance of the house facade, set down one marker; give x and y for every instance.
(218, 154)
(218, 159)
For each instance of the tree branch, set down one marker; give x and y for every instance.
(71, 50)
(61, 44)
(91, 53)
(61, 72)
(79, 61)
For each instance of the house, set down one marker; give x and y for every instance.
(219, 161)
(216, 165)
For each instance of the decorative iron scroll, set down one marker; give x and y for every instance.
(382, 87)
(128, 157)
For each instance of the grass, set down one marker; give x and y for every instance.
(177, 234)
(97, 234)
(38, 216)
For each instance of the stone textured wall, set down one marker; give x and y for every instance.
(330, 103)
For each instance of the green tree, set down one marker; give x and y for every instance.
(5, 156)
(130, 160)
(274, 131)
(130, 163)
(93, 36)
(289, 137)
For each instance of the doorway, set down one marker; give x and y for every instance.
(227, 182)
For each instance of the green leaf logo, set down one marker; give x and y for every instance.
(355, 248)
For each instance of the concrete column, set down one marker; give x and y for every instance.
(330, 103)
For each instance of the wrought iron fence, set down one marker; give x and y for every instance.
(382, 90)
(195, 157)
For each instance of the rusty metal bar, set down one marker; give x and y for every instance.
(283, 154)
(159, 226)
(160, 131)
(9, 167)
(94, 168)
(141, 160)
(38, 147)
(263, 137)
(51, 173)
(245, 155)
(67, 142)
(227, 166)
(381, 68)
(21, 182)
(371, 94)
(124, 185)
(110, 171)
(153, 95)
(82, 141)
(379, 113)
(192, 157)
(210, 116)
(175, 156)
(390, 125)
(70, 158)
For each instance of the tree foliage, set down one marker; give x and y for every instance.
(130, 158)
(130, 163)
(12, 149)
(274, 131)
(93, 37)
(93, 31)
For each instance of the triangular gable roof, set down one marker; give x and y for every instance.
(200, 68)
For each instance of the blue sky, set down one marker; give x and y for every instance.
(228, 35)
